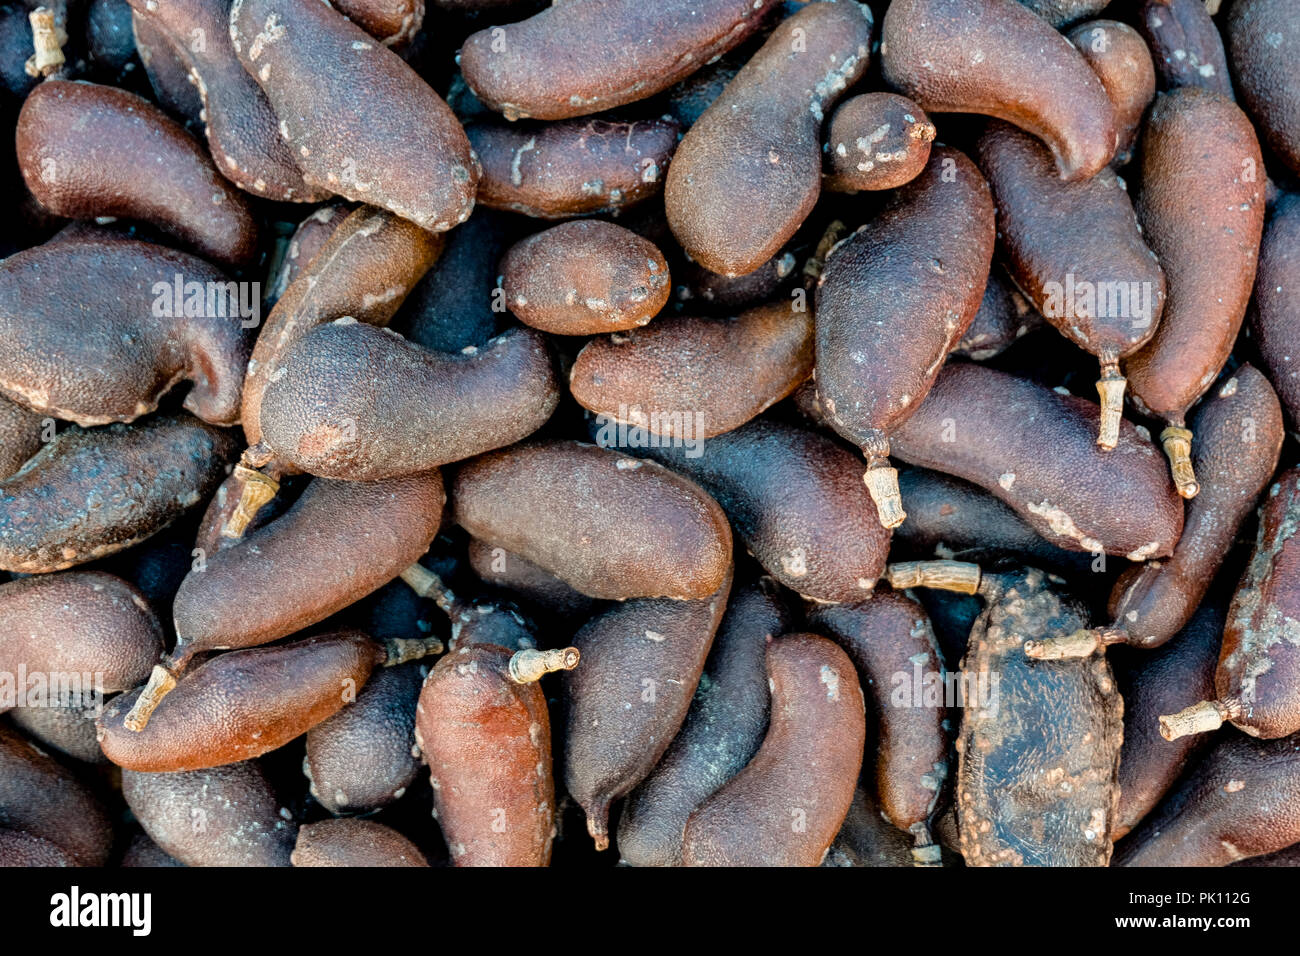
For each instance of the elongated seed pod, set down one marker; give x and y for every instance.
(748, 173)
(1003, 317)
(892, 302)
(1059, 13)
(787, 805)
(1186, 45)
(497, 566)
(81, 147)
(354, 843)
(24, 849)
(1277, 302)
(876, 141)
(307, 240)
(167, 72)
(20, 436)
(1121, 60)
(68, 729)
(1263, 42)
(997, 58)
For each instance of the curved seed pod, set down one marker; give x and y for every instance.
(1186, 45)
(354, 843)
(502, 568)
(307, 240)
(646, 653)
(891, 643)
(167, 72)
(23, 849)
(699, 377)
(575, 59)
(351, 401)
(748, 173)
(81, 148)
(242, 821)
(392, 22)
(362, 758)
(360, 122)
(892, 302)
(68, 729)
(712, 294)
(1121, 60)
(1061, 12)
(147, 335)
(38, 796)
(1201, 207)
(609, 525)
(20, 436)
(1264, 40)
(1003, 317)
(787, 805)
(486, 736)
(574, 168)
(997, 58)
(1277, 303)
(109, 43)
(1242, 800)
(138, 479)
(1036, 449)
(143, 852)
(585, 278)
(876, 141)
(867, 839)
(722, 730)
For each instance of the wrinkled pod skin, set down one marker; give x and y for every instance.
(892, 301)
(1277, 303)
(354, 843)
(1121, 60)
(1185, 44)
(1264, 42)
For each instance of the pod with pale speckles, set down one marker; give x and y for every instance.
(1264, 43)
(1186, 45)
(20, 435)
(354, 843)
(876, 141)
(1121, 60)
(307, 240)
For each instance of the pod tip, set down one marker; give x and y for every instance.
(256, 488)
(1200, 718)
(1177, 443)
(882, 483)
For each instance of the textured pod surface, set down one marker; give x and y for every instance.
(392, 22)
(1186, 45)
(20, 436)
(787, 805)
(362, 843)
(876, 141)
(997, 58)
(1121, 60)
(713, 294)
(1264, 43)
(1061, 12)
(308, 239)
(748, 173)
(23, 849)
(68, 730)
(1038, 753)
(91, 493)
(1277, 303)
(167, 72)
(497, 566)
(143, 852)
(1003, 317)
(81, 147)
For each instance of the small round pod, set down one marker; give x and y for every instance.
(484, 731)
(1201, 207)
(787, 805)
(1264, 44)
(892, 301)
(1120, 58)
(93, 492)
(876, 141)
(20, 435)
(608, 525)
(24, 849)
(68, 729)
(697, 376)
(1186, 45)
(585, 278)
(308, 239)
(572, 168)
(222, 816)
(1277, 303)
(997, 58)
(354, 843)
(82, 147)
(497, 566)
(748, 173)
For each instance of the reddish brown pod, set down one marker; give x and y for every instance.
(1120, 58)
(1186, 45)
(20, 436)
(892, 301)
(585, 278)
(23, 849)
(394, 23)
(1201, 206)
(997, 58)
(483, 728)
(748, 173)
(876, 141)
(787, 805)
(308, 239)
(354, 843)
(1264, 42)
(497, 566)
(168, 75)
(62, 729)
(572, 168)
(579, 58)
(1277, 303)
(360, 122)
(82, 147)
(1004, 316)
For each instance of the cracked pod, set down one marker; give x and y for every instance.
(1277, 303)
(1264, 43)
(360, 122)
(892, 301)
(787, 805)
(1121, 60)
(483, 728)
(876, 141)
(749, 171)
(83, 150)
(1185, 45)
(98, 330)
(997, 58)
(354, 843)
(1201, 206)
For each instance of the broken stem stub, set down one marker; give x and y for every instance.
(1177, 443)
(960, 576)
(256, 489)
(882, 482)
(529, 666)
(1110, 387)
(399, 650)
(428, 585)
(161, 683)
(1200, 718)
(1082, 643)
(48, 37)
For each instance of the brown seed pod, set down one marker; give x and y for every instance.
(23, 849)
(354, 843)
(997, 58)
(81, 148)
(867, 839)
(65, 729)
(575, 59)
(787, 805)
(1186, 45)
(748, 173)
(143, 852)
(1264, 41)
(497, 566)
(161, 318)
(1003, 317)
(585, 278)
(168, 73)
(892, 301)
(1121, 60)
(223, 816)
(360, 122)
(572, 168)
(92, 493)
(1036, 449)
(1277, 302)
(1201, 207)
(876, 141)
(711, 294)
(20, 436)
(392, 22)
(609, 525)
(307, 240)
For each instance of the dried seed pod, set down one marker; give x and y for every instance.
(867, 839)
(137, 479)
(748, 173)
(1277, 302)
(1003, 317)
(68, 729)
(1186, 45)
(1036, 449)
(307, 240)
(360, 122)
(81, 147)
(609, 525)
(24, 849)
(109, 43)
(1201, 207)
(168, 73)
(876, 141)
(1264, 40)
(1062, 12)
(143, 852)
(787, 805)
(1121, 60)
(722, 730)
(392, 22)
(223, 816)
(573, 168)
(711, 294)
(20, 436)
(892, 301)
(502, 568)
(354, 843)
(575, 59)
